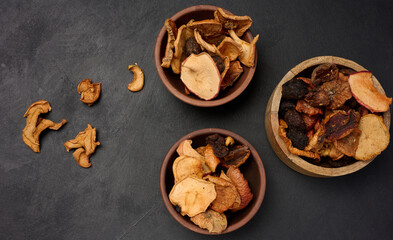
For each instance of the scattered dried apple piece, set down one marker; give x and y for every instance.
(89, 92)
(86, 144)
(366, 94)
(192, 195)
(374, 137)
(211, 220)
(35, 124)
(200, 75)
(139, 78)
(239, 24)
(248, 49)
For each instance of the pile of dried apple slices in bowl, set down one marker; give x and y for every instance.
(212, 181)
(205, 55)
(328, 117)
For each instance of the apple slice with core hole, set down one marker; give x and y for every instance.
(201, 76)
(366, 94)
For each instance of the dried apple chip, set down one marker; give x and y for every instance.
(239, 24)
(242, 187)
(233, 73)
(192, 195)
(373, 139)
(349, 144)
(366, 94)
(237, 202)
(211, 220)
(186, 149)
(185, 166)
(226, 194)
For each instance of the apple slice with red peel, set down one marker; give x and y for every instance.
(366, 94)
(201, 76)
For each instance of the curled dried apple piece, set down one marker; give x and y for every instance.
(35, 124)
(205, 45)
(239, 24)
(192, 195)
(211, 160)
(228, 47)
(211, 220)
(183, 34)
(248, 49)
(329, 150)
(186, 149)
(305, 153)
(170, 45)
(242, 187)
(366, 94)
(374, 137)
(233, 73)
(200, 75)
(89, 92)
(139, 78)
(85, 144)
(208, 27)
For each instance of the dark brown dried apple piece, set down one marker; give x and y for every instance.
(236, 156)
(324, 73)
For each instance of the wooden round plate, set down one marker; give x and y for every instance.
(272, 122)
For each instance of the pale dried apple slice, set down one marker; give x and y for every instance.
(185, 166)
(186, 149)
(373, 139)
(208, 27)
(366, 94)
(192, 195)
(228, 47)
(201, 76)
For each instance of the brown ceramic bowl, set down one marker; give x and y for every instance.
(172, 81)
(252, 169)
(272, 121)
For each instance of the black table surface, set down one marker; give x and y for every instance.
(47, 47)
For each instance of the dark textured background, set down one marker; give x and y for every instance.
(47, 47)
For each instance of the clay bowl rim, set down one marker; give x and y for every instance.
(271, 122)
(182, 220)
(193, 100)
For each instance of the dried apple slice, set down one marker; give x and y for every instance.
(200, 75)
(211, 220)
(185, 166)
(373, 139)
(208, 27)
(226, 194)
(228, 47)
(192, 195)
(366, 94)
(239, 24)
